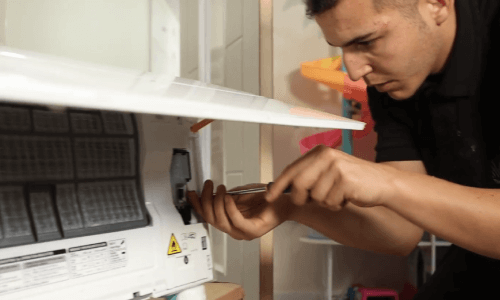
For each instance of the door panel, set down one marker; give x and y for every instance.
(234, 145)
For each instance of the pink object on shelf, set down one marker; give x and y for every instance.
(355, 90)
(366, 117)
(375, 292)
(332, 139)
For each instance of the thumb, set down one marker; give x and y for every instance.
(191, 195)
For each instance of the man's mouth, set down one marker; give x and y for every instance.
(384, 87)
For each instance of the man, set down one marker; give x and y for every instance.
(431, 67)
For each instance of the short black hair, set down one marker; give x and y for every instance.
(317, 7)
(408, 8)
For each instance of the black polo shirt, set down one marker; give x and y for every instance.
(452, 124)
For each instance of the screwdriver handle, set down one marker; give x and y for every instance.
(288, 190)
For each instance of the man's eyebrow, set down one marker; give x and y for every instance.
(355, 40)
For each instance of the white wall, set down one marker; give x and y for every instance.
(113, 32)
(2, 22)
(164, 38)
(189, 39)
(299, 267)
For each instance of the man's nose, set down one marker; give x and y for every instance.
(356, 66)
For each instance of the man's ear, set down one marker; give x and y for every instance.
(440, 10)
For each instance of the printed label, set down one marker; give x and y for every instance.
(204, 243)
(33, 270)
(22, 272)
(96, 258)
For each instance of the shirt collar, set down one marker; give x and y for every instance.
(459, 76)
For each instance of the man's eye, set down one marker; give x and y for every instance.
(366, 43)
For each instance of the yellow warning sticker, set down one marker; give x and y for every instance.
(173, 247)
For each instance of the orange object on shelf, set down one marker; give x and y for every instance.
(323, 72)
(327, 71)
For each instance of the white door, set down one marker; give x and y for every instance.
(235, 145)
(2, 24)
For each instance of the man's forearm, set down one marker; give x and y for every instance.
(376, 229)
(467, 217)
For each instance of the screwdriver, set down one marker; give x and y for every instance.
(258, 190)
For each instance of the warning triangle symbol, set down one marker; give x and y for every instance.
(173, 247)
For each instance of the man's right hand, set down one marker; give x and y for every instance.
(243, 217)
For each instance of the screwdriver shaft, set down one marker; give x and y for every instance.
(257, 190)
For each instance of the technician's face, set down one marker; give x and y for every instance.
(394, 54)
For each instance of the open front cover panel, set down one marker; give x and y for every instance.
(41, 79)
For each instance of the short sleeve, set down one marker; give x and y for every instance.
(393, 124)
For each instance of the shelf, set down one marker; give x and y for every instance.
(438, 244)
(331, 242)
(319, 241)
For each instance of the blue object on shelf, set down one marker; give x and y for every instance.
(346, 113)
(351, 293)
(173, 297)
(346, 133)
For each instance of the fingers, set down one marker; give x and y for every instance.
(328, 190)
(213, 210)
(221, 220)
(321, 189)
(281, 183)
(239, 221)
(233, 231)
(301, 174)
(334, 200)
(286, 177)
(307, 181)
(195, 202)
(207, 202)
(299, 194)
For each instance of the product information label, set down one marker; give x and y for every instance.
(23, 272)
(97, 258)
(33, 270)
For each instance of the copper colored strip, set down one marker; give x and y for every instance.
(196, 127)
(266, 138)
